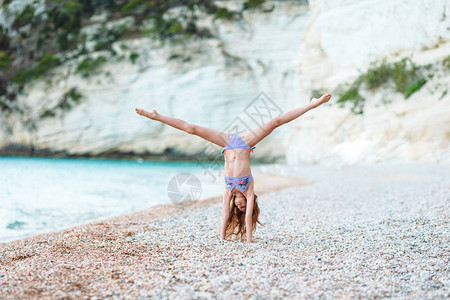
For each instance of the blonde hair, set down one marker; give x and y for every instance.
(237, 221)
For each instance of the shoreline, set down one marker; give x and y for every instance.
(119, 155)
(266, 183)
(72, 219)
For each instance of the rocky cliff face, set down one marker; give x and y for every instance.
(284, 49)
(209, 82)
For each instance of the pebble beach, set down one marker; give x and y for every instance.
(357, 231)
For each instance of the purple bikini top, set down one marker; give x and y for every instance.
(236, 142)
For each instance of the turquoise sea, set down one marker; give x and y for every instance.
(45, 194)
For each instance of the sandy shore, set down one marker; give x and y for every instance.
(358, 231)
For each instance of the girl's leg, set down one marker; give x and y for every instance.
(259, 133)
(211, 135)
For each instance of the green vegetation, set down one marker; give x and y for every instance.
(174, 26)
(376, 75)
(106, 37)
(403, 73)
(4, 39)
(70, 98)
(224, 13)
(175, 29)
(88, 65)
(48, 113)
(73, 95)
(171, 28)
(57, 31)
(25, 17)
(104, 45)
(45, 63)
(133, 5)
(4, 106)
(415, 87)
(446, 62)
(72, 7)
(6, 2)
(133, 57)
(64, 27)
(5, 62)
(352, 96)
(253, 3)
(406, 76)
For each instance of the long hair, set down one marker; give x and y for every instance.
(237, 221)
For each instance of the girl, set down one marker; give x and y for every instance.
(239, 206)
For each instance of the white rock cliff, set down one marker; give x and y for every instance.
(342, 38)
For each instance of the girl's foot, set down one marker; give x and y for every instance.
(324, 98)
(149, 114)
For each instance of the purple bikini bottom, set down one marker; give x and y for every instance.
(240, 182)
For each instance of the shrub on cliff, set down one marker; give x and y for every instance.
(446, 62)
(25, 17)
(88, 65)
(70, 98)
(351, 95)
(5, 61)
(403, 73)
(4, 39)
(406, 76)
(45, 63)
(252, 3)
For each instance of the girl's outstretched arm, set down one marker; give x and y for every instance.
(211, 135)
(225, 213)
(259, 133)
